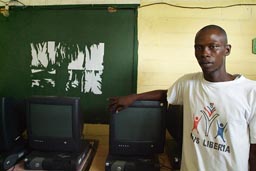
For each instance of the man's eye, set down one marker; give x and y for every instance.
(213, 47)
(210, 47)
(198, 47)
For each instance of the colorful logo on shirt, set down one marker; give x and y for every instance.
(210, 119)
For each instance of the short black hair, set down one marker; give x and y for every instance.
(215, 27)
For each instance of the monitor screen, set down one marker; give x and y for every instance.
(62, 113)
(139, 129)
(147, 129)
(54, 123)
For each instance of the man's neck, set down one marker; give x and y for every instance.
(219, 77)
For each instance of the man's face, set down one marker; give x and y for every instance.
(211, 50)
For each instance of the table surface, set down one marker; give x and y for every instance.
(98, 163)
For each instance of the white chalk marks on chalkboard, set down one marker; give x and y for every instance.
(81, 65)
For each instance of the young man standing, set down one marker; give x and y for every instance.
(225, 136)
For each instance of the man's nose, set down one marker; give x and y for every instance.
(205, 51)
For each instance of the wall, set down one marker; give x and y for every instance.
(166, 39)
(166, 35)
(64, 2)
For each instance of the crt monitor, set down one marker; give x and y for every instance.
(174, 125)
(138, 130)
(54, 123)
(12, 122)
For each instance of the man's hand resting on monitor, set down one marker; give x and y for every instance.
(119, 103)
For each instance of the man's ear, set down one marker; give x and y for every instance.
(228, 49)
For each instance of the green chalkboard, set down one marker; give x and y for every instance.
(84, 51)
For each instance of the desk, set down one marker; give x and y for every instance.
(101, 133)
(98, 164)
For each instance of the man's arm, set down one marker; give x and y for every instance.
(252, 157)
(119, 103)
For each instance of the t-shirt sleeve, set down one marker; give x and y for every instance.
(252, 126)
(252, 121)
(174, 93)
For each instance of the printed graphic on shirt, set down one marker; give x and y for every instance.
(221, 128)
(83, 65)
(211, 125)
(196, 122)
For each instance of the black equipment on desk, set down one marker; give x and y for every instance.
(45, 160)
(136, 137)
(12, 125)
(132, 163)
(12, 122)
(138, 130)
(9, 158)
(174, 125)
(54, 123)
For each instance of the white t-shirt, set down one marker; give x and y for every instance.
(219, 122)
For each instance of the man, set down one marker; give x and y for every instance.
(225, 136)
